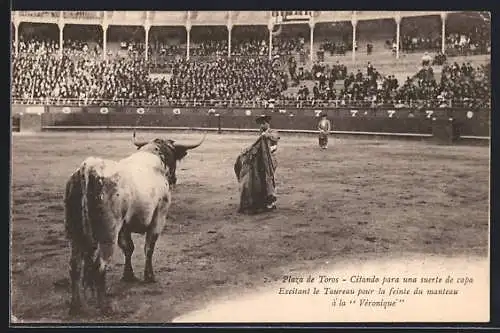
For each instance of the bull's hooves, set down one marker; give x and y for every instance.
(107, 307)
(107, 310)
(247, 211)
(129, 279)
(75, 311)
(149, 280)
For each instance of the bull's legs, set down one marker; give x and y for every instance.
(76, 265)
(103, 301)
(105, 254)
(149, 248)
(127, 245)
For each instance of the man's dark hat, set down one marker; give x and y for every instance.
(262, 118)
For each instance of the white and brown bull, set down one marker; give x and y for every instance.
(106, 201)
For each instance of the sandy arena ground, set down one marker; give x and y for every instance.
(363, 203)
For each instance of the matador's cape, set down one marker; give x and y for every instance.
(254, 169)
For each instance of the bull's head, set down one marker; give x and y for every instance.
(169, 151)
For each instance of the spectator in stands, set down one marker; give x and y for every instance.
(439, 59)
(426, 59)
(369, 48)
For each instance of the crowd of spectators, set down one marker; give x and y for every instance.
(227, 79)
(336, 47)
(413, 43)
(93, 78)
(250, 47)
(461, 85)
(246, 47)
(37, 45)
(475, 41)
(40, 73)
(210, 48)
(319, 71)
(74, 78)
(369, 87)
(287, 46)
(166, 49)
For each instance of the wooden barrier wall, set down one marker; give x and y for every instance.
(380, 120)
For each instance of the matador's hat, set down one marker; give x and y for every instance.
(263, 118)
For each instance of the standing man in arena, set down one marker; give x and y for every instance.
(272, 137)
(324, 127)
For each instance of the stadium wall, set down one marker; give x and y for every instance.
(388, 121)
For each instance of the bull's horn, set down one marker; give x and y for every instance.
(138, 144)
(187, 147)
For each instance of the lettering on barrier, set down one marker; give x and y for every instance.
(282, 111)
(66, 110)
(354, 113)
(140, 110)
(104, 110)
(317, 112)
(176, 111)
(470, 114)
(429, 113)
(248, 112)
(391, 113)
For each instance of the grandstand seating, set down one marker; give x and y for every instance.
(287, 42)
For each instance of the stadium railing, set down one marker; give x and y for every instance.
(453, 51)
(277, 104)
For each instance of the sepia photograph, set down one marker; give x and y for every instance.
(273, 166)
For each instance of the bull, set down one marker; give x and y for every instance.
(106, 201)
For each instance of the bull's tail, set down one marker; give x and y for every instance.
(81, 202)
(72, 205)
